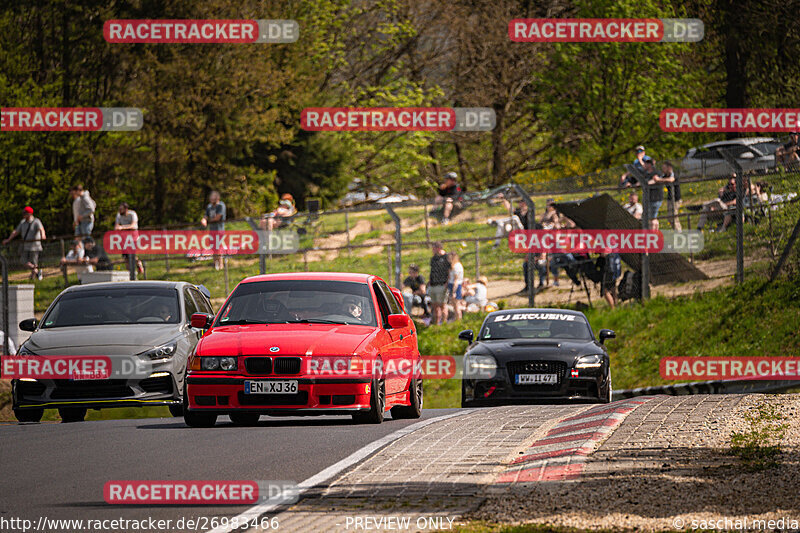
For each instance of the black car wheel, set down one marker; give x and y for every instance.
(29, 415)
(377, 405)
(72, 414)
(244, 419)
(415, 409)
(605, 395)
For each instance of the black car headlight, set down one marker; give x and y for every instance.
(161, 352)
(218, 363)
(589, 361)
(479, 367)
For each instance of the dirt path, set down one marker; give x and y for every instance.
(720, 273)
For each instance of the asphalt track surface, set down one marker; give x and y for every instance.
(59, 470)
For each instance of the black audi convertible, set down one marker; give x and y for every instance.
(535, 356)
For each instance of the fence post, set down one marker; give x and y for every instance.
(398, 243)
(739, 213)
(389, 259)
(427, 224)
(225, 269)
(166, 257)
(6, 333)
(529, 257)
(64, 268)
(478, 260)
(347, 230)
(645, 225)
(305, 259)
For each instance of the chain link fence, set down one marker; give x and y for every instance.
(742, 197)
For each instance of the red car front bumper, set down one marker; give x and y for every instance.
(222, 393)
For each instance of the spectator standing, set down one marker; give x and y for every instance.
(455, 284)
(416, 285)
(214, 220)
(550, 218)
(32, 233)
(610, 266)
(83, 211)
(789, 152)
(655, 192)
(633, 206)
(449, 192)
(437, 282)
(629, 179)
(673, 194)
(127, 220)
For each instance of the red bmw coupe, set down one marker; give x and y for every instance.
(309, 343)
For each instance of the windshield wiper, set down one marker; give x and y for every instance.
(240, 322)
(313, 321)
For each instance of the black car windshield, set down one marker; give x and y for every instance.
(538, 325)
(114, 306)
(299, 301)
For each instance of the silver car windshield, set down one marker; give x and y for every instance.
(289, 301)
(114, 306)
(522, 325)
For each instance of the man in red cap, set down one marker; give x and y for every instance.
(31, 230)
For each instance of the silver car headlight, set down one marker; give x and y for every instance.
(479, 367)
(162, 352)
(589, 361)
(218, 363)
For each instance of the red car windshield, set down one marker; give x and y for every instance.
(301, 301)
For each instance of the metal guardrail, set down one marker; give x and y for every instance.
(734, 386)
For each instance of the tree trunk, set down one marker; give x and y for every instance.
(498, 148)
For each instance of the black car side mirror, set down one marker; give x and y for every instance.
(606, 334)
(29, 324)
(466, 335)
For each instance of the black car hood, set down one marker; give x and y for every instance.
(544, 349)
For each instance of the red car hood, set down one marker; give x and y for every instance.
(290, 339)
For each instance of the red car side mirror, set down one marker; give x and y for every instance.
(399, 297)
(201, 320)
(399, 321)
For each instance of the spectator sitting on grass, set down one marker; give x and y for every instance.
(789, 152)
(415, 284)
(76, 257)
(279, 218)
(633, 206)
(95, 256)
(477, 294)
(725, 201)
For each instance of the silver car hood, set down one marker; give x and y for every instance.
(101, 340)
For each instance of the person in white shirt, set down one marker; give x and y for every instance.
(455, 282)
(128, 220)
(633, 206)
(75, 257)
(12, 350)
(478, 293)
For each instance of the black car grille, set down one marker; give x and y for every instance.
(277, 365)
(287, 365)
(30, 388)
(159, 384)
(258, 365)
(537, 367)
(301, 398)
(94, 388)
